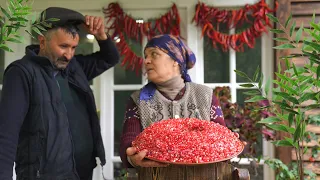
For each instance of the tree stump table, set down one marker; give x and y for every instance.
(215, 171)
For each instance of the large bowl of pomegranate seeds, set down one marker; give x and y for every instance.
(188, 141)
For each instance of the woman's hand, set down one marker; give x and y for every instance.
(138, 159)
(238, 136)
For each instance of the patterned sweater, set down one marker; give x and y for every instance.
(133, 124)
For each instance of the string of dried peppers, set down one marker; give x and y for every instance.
(209, 18)
(122, 25)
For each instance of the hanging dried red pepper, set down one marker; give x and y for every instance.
(205, 16)
(120, 23)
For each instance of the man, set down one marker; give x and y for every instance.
(48, 120)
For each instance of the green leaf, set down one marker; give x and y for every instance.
(295, 69)
(29, 33)
(53, 19)
(282, 104)
(269, 120)
(251, 93)
(277, 31)
(286, 96)
(292, 28)
(297, 133)
(290, 129)
(318, 72)
(43, 17)
(40, 27)
(267, 87)
(305, 149)
(315, 26)
(307, 96)
(20, 19)
(279, 67)
(5, 13)
(36, 30)
(290, 111)
(48, 25)
(272, 18)
(283, 143)
(281, 39)
(285, 46)
(311, 55)
(286, 87)
(260, 81)
(14, 40)
(314, 45)
(298, 35)
(10, 8)
(291, 56)
(312, 106)
(288, 20)
(255, 99)
(5, 47)
(12, 4)
(247, 85)
(33, 18)
(1, 20)
(242, 74)
(303, 130)
(288, 64)
(9, 31)
(313, 17)
(256, 74)
(278, 127)
(21, 13)
(24, 8)
(285, 78)
(290, 118)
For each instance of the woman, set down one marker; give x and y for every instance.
(170, 94)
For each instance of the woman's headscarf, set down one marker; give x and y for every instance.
(178, 51)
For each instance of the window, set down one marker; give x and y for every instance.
(125, 82)
(219, 71)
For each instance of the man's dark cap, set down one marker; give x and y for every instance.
(65, 16)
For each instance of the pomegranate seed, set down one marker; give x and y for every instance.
(188, 140)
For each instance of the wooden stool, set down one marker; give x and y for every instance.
(215, 171)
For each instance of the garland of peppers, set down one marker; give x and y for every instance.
(206, 16)
(123, 25)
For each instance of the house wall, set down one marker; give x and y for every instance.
(145, 9)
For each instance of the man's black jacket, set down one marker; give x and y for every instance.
(34, 129)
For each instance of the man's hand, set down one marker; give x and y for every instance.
(138, 159)
(95, 26)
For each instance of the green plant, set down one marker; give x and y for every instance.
(17, 16)
(243, 120)
(292, 88)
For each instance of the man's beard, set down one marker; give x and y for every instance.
(57, 63)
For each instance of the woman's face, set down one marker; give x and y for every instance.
(160, 67)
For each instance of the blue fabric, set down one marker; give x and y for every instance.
(178, 51)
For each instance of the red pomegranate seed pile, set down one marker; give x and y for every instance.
(188, 141)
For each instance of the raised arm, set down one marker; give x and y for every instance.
(108, 55)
